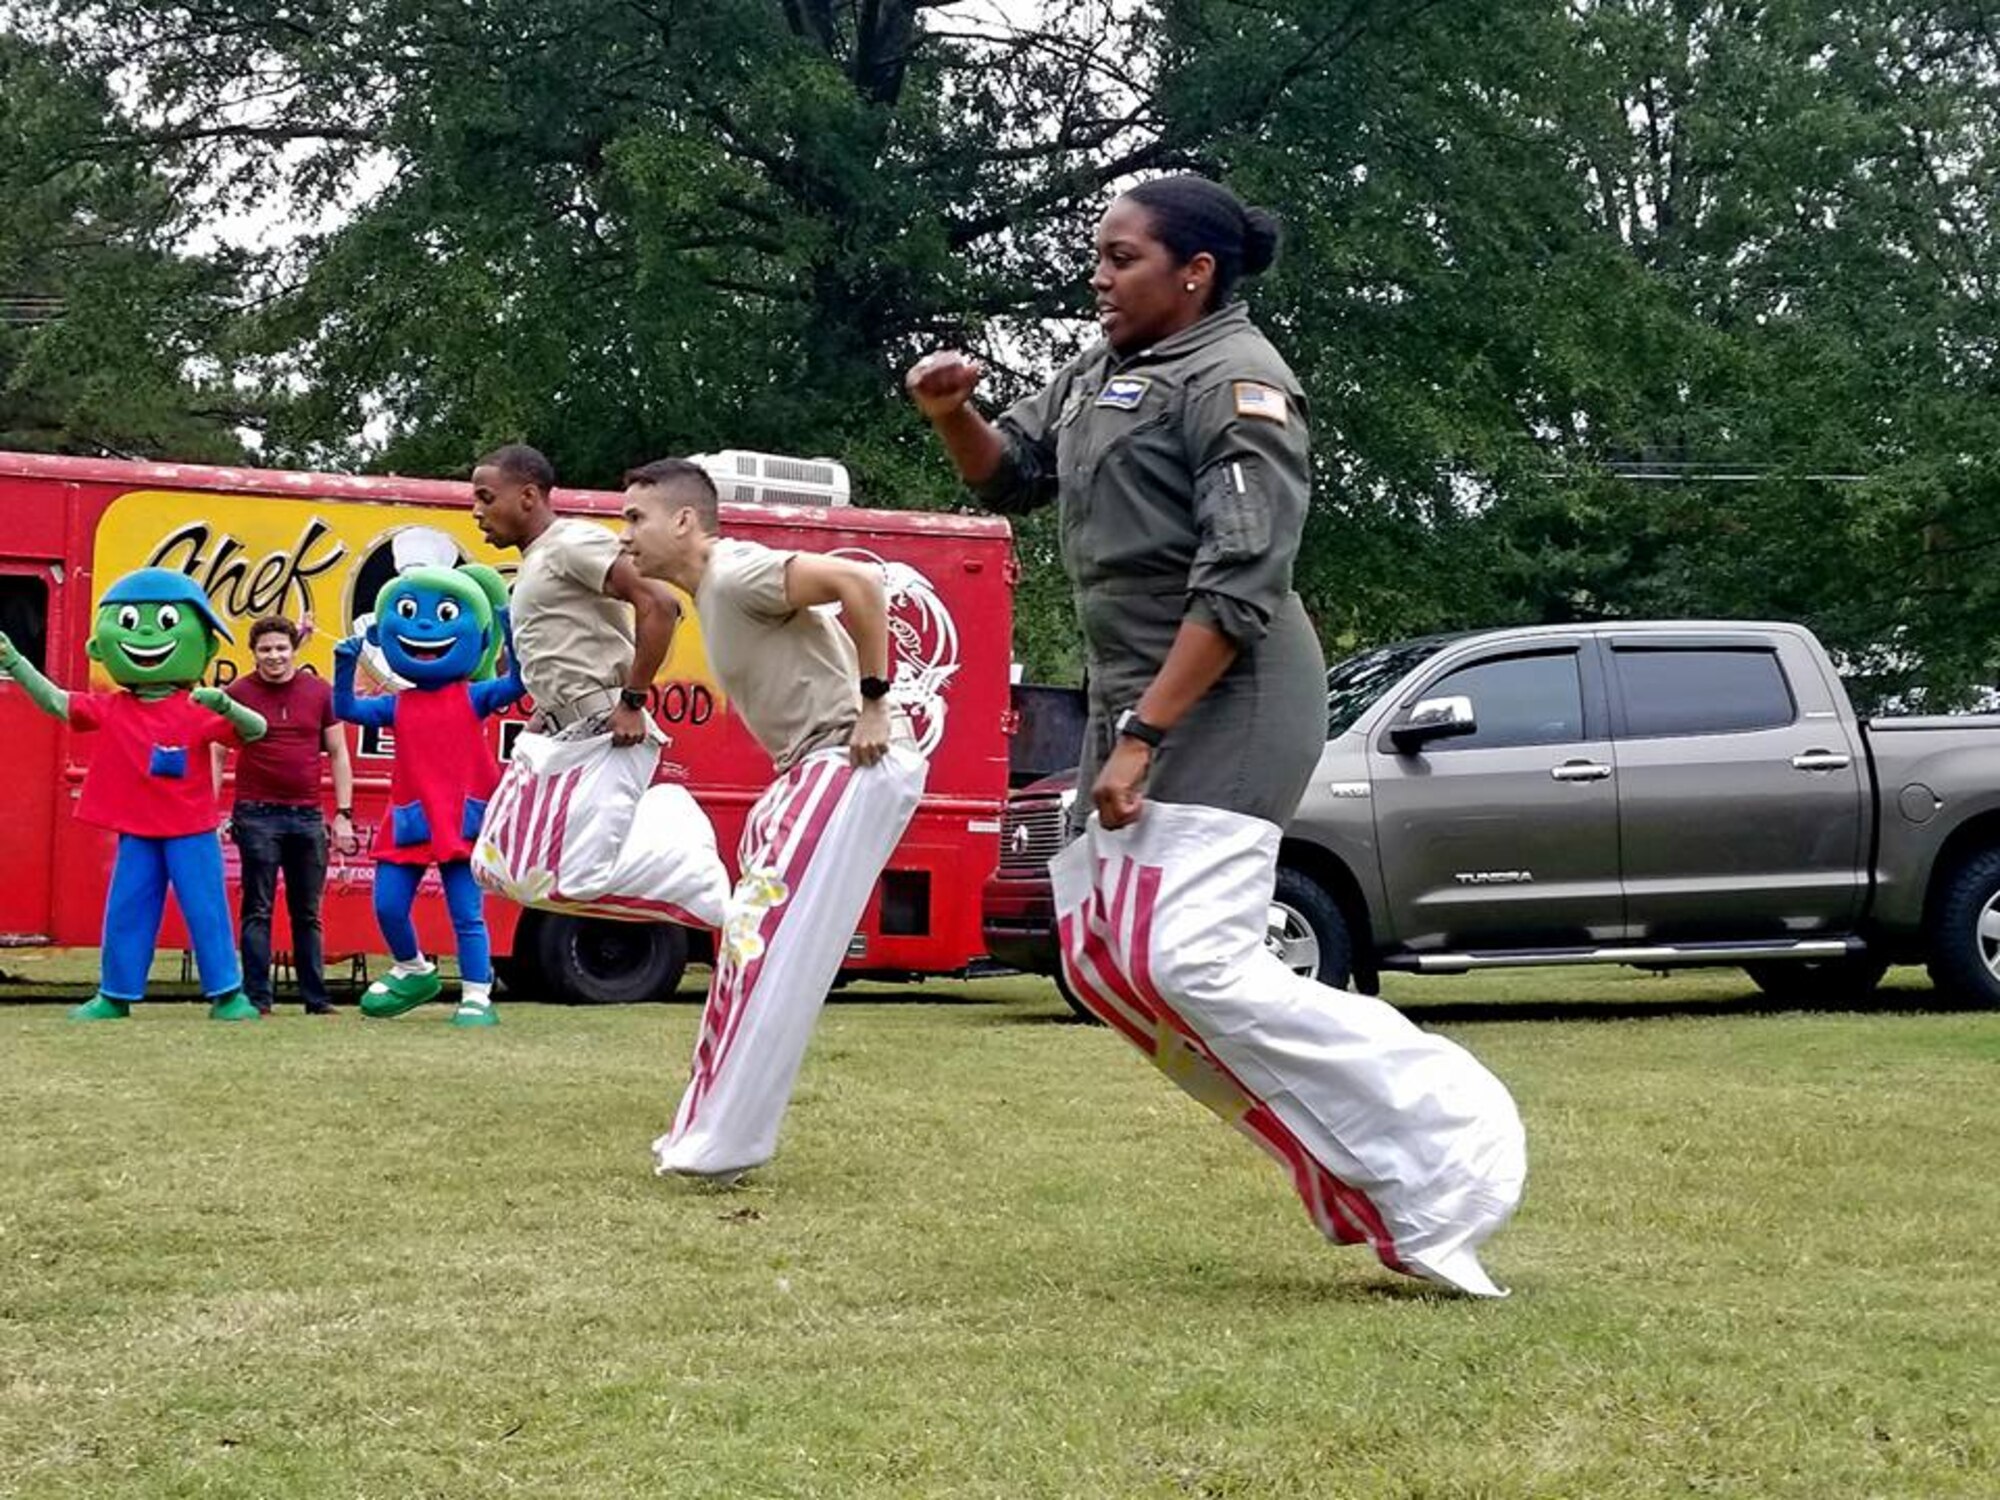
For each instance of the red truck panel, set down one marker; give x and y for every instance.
(268, 542)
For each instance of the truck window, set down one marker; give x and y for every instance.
(1517, 700)
(1356, 684)
(1702, 691)
(24, 616)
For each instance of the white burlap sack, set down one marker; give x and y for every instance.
(812, 850)
(1393, 1137)
(577, 827)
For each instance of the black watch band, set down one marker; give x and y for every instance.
(1132, 727)
(343, 812)
(632, 698)
(873, 688)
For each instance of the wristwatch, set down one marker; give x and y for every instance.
(874, 687)
(1132, 727)
(632, 698)
(343, 812)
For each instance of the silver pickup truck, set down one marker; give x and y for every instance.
(1656, 794)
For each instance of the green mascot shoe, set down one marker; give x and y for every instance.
(475, 1015)
(236, 1007)
(102, 1008)
(391, 996)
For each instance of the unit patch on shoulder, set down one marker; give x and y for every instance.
(1255, 399)
(1124, 392)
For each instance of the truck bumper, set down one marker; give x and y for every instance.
(1018, 920)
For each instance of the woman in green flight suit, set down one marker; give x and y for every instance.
(1177, 453)
(1179, 450)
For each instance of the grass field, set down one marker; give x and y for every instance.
(997, 1256)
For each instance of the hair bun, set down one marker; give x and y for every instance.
(1261, 233)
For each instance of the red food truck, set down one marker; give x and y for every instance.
(262, 542)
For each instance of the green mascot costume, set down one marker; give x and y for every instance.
(150, 782)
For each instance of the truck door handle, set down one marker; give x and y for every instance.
(1580, 770)
(1821, 760)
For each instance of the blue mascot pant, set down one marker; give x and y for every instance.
(144, 868)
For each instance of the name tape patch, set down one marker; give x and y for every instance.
(1255, 399)
(1124, 392)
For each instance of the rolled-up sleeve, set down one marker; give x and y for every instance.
(1026, 477)
(1252, 479)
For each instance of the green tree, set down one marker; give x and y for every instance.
(108, 337)
(1606, 306)
(1643, 307)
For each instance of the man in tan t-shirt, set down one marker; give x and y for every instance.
(815, 693)
(589, 632)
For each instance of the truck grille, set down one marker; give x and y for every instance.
(1031, 834)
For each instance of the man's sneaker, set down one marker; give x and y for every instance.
(236, 1007)
(321, 1010)
(393, 994)
(475, 1015)
(101, 1008)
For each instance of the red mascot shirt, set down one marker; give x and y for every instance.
(150, 773)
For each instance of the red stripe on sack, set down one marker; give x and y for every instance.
(725, 985)
(540, 792)
(1088, 993)
(500, 819)
(622, 907)
(818, 789)
(554, 799)
(555, 813)
(494, 829)
(820, 783)
(804, 848)
(1094, 948)
(565, 799)
(1354, 1203)
(1123, 894)
(524, 823)
(1269, 1132)
(565, 795)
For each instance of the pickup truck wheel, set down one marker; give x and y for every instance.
(590, 961)
(1830, 981)
(1964, 932)
(1307, 933)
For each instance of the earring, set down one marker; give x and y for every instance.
(1190, 286)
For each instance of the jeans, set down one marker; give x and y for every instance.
(274, 837)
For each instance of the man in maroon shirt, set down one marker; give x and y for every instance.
(278, 821)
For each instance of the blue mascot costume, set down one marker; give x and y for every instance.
(154, 634)
(442, 630)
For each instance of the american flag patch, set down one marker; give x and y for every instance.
(1254, 399)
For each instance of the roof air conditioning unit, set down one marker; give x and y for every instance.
(773, 479)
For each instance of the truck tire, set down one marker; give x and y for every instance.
(1832, 981)
(589, 961)
(1963, 932)
(1083, 1012)
(1308, 931)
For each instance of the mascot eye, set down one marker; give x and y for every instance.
(128, 618)
(406, 608)
(447, 611)
(168, 617)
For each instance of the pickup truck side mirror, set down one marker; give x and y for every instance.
(1434, 719)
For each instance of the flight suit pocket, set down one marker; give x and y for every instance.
(1232, 512)
(1106, 493)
